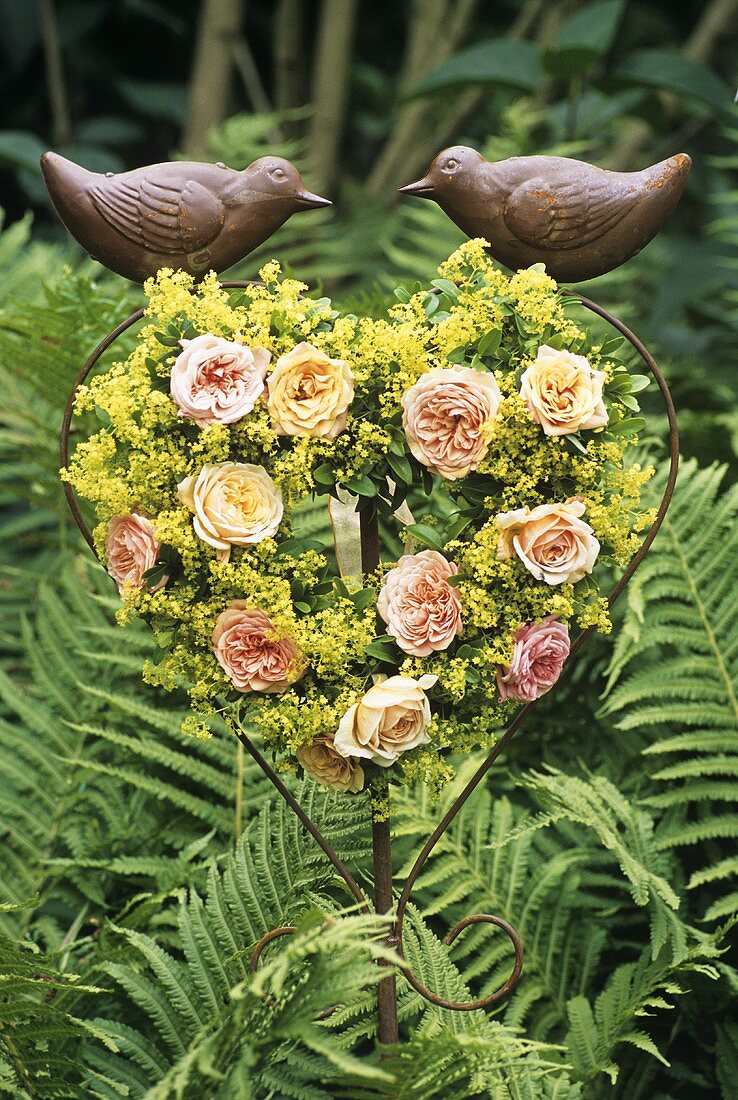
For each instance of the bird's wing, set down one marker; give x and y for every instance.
(565, 216)
(158, 213)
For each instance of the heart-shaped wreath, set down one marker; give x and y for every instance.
(484, 427)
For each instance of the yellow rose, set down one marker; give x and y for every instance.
(321, 760)
(563, 392)
(390, 719)
(308, 393)
(234, 504)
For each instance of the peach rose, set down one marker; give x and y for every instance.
(390, 719)
(253, 653)
(308, 393)
(321, 760)
(539, 654)
(444, 416)
(217, 380)
(234, 504)
(421, 609)
(131, 548)
(552, 541)
(563, 392)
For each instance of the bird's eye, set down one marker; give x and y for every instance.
(451, 165)
(278, 173)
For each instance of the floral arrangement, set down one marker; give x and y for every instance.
(486, 429)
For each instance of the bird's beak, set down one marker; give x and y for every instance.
(307, 198)
(422, 187)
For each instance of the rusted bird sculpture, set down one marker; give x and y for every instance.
(579, 220)
(184, 215)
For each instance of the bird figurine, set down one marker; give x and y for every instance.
(183, 215)
(579, 220)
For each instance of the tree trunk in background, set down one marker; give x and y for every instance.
(219, 27)
(289, 65)
(436, 28)
(331, 84)
(61, 120)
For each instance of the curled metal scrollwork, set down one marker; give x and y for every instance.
(396, 936)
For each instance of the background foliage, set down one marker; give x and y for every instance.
(138, 868)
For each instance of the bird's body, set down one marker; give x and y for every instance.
(183, 215)
(579, 220)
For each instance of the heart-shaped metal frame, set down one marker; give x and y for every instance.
(381, 841)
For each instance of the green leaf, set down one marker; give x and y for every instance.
(631, 425)
(673, 72)
(362, 486)
(498, 61)
(400, 467)
(21, 149)
(584, 38)
(426, 535)
(324, 475)
(490, 342)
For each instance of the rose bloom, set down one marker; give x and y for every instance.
(251, 651)
(131, 548)
(217, 380)
(444, 415)
(321, 760)
(421, 609)
(234, 504)
(563, 392)
(390, 719)
(538, 657)
(308, 393)
(552, 541)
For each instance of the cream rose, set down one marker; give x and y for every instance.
(563, 392)
(552, 541)
(217, 380)
(234, 504)
(308, 393)
(131, 549)
(444, 417)
(322, 760)
(421, 609)
(253, 653)
(390, 719)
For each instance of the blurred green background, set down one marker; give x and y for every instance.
(137, 866)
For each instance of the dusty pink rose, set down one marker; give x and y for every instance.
(539, 654)
(217, 380)
(421, 609)
(444, 416)
(252, 652)
(552, 541)
(131, 548)
(322, 760)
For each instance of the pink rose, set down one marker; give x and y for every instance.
(552, 541)
(444, 417)
(132, 549)
(253, 653)
(217, 380)
(538, 656)
(421, 609)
